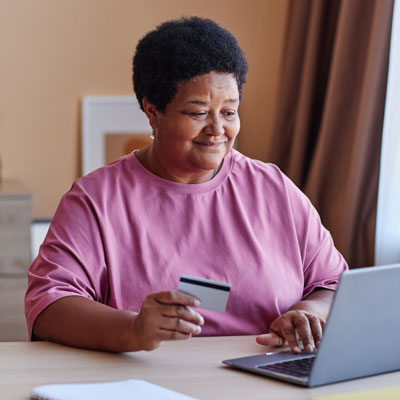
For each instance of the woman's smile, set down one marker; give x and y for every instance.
(210, 145)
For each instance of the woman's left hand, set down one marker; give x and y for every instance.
(292, 326)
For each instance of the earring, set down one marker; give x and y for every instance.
(152, 135)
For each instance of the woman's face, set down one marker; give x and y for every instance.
(199, 126)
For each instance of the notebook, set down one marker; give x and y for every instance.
(121, 390)
(361, 337)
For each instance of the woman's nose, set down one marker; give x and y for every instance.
(216, 127)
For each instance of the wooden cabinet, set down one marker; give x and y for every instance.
(12, 318)
(15, 225)
(15, 257)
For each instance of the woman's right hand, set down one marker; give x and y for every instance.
(166, 316)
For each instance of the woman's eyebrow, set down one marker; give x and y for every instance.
(231, 101)
(199, 102)
(204, 103)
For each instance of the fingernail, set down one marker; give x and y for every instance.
(309, 348)
(297, 349)
(196, 303)
(201, 320)
(317, 344)
(198, 329)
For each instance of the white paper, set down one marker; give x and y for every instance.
(120, 390)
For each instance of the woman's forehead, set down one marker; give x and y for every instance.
(204, 86)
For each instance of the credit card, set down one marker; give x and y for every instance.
(212, 295)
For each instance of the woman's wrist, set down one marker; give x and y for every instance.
(318, 303)
(131, 340)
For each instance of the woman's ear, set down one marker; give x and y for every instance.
(151, 112)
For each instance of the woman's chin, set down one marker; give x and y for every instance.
(210, 159)
(210, 162)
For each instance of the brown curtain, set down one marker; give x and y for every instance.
(328, 128)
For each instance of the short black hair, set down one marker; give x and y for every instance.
(179, 50)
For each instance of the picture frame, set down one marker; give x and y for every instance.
(103, 115)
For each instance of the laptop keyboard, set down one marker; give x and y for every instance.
(299, 367)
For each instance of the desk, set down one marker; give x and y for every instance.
(192, 367)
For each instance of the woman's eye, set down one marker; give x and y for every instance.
(198, 114)
(230, 113)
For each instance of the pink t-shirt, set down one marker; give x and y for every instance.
(122, 232)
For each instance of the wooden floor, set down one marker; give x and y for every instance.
(12, 319)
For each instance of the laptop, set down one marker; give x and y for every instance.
(361, 337)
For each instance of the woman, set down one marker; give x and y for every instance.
(107, 273)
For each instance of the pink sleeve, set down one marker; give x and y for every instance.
(322, 262)
(71, 259)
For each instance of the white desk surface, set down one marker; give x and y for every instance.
(192, 367)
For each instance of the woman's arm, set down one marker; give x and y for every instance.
(80, 322)
(304, 320)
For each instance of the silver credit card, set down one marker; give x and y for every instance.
(213, 295)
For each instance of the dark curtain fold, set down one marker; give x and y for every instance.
(328, 128)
